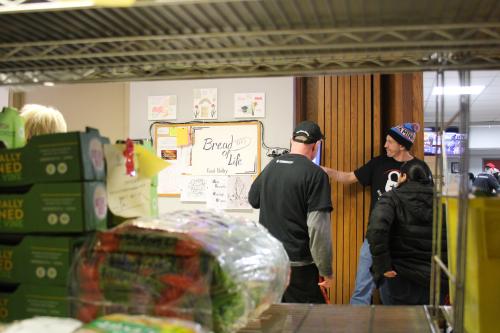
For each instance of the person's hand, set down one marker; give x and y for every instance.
(326, 283)
(390, 274)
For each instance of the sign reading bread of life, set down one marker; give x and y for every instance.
(225, 150)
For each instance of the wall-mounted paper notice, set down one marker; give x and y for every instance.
(182, 136)
(130, 196)
(227, 150)
(194, 188)
(217, 193)
(162, 107)
(205, 103)
(237, 192)
(228, 192)
(250, 105)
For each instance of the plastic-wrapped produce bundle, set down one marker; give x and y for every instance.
(213, 269)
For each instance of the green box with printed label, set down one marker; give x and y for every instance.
(60, 157)
(55, 208)
(26, 301)
(40, 260)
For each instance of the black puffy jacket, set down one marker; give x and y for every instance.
(400, 233)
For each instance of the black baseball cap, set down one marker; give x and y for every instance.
(307, 132)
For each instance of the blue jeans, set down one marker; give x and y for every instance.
(364, 282)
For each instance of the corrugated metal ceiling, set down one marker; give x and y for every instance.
(197, 39)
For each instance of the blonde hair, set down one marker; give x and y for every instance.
(39, 119)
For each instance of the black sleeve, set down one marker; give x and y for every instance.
(379, 227)
(493, 183)
(254, 193)
(364, 173)
(320, 197)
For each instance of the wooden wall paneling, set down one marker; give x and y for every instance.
(347, 189)
(336, 190)
(353, 188)
(327, 129)
(312, 100)
(402, 101)
(378, 136)
(340, 203)
(314, 114)
(360, 144)
(353, 113)
(418, 112)
(300, 107)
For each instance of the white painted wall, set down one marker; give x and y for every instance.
(278, 122)
(484, 143)
(99, 105)
(4, 97)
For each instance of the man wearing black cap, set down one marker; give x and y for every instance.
(293, 195)
(382, 174)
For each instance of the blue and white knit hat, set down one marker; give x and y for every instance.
(405, 134)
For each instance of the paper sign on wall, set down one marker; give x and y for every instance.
(130, 196)
(225, 150)
(249, 105)
(205, 103)
(162, 107)
(194, 188)
(228, 192)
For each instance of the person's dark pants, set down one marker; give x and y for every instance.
(401, 291)
(303, 286)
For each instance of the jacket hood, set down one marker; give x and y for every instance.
(416, 198)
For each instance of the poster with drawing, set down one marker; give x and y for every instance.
(205, 103)
(249, 105)
(237, 192)
(194, 188)
(225, 150)
(162, 107)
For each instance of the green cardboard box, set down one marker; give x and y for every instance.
(26, 301)
(55, 208)
(61, 157)
(37, 259)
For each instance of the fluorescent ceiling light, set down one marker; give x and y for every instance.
(457, 90)
(9, 6)
(49, 84)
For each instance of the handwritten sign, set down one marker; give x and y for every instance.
(127, 196)
(194, 188)
(225, 150)
(228, 192)
(217, 193)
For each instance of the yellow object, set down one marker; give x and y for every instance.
(149, 163)
(182, 136)
(482, 274)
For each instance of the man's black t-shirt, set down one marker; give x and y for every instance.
(287, 189)
(485, 183)
(382, 174)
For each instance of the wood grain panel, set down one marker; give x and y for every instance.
(349, 111)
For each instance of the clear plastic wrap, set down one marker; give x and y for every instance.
(212, 269)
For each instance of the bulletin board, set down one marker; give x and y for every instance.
(210, 162)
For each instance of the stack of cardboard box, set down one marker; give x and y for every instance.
(52, 193)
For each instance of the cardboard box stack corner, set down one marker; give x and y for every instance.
(52, 192)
